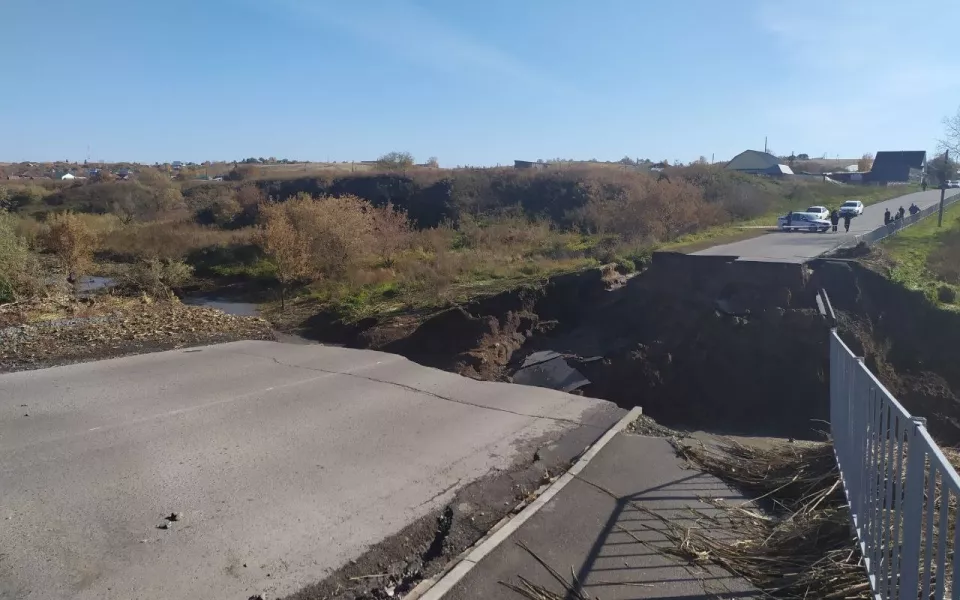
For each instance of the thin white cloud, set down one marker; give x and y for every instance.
(406, 30)
(854, 65)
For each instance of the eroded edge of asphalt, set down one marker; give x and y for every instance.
(394, 566)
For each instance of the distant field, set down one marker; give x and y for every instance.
(301, 168)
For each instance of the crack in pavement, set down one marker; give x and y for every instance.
(440, 493)
(425, 392)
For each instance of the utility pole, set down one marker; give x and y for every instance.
(943, 186)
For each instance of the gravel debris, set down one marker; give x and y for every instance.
(61, 330)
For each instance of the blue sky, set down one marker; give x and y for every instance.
(473, 83)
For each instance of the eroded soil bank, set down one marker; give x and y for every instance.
(698, 342)
(908, 342)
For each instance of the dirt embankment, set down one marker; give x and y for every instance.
(909, 343)
(696, 341)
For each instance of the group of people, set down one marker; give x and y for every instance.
(835, 217)
(835, 220)
(897, 216)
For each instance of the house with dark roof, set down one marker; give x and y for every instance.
(755, 162)
(528, 164)
(899, 166)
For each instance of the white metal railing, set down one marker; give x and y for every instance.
(901, 489)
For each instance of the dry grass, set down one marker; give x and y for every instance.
(572, 590)
(173, 240)
(804, 549)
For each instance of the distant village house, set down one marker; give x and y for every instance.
(755, 162)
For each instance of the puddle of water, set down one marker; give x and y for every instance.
(548, 369)
(231, 307)
(88, 283)
(93, 283)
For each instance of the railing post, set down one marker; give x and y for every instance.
(912, 512)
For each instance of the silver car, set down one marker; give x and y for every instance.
(803, 221)
(854, 208)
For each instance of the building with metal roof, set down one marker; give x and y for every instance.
(898, 166)
(755, 162)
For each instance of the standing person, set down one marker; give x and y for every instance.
(846, 222)
(914, 209)
(886, 217)
(902, 212)
(923, 185)
(834, 219)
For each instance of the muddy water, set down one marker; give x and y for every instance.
(227, 305)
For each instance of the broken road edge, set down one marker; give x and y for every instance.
(437, 586)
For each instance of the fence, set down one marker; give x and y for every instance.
(901, 489)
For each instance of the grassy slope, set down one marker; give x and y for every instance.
(910, 253)
(741, 230)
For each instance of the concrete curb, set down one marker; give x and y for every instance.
(441, 583)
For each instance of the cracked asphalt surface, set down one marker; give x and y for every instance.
(287, 461)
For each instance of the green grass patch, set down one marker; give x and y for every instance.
(925, 257)
(394, 297)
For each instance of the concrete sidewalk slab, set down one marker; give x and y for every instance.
(583, 528)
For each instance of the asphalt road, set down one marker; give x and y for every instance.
(286, 461)
(798, 247)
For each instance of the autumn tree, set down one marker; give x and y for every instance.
(73, 243)
(391, 232)
(285, 245)
(865, 163)
(396, 160)
(311, 239)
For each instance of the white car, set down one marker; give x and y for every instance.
(803, 221)
(821, 211)
(854, 208)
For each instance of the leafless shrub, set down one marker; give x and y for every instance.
(156, 277)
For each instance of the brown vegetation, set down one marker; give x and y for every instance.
(72, 241)
(166, 240)
(407, 236)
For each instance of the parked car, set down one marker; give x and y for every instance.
(803, 221)
(821, 211)
(854, 208)
(953, 183)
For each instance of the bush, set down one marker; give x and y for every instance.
(19, 273)
(73, 241)
(326, 238)
(156, 277)
(648, 210)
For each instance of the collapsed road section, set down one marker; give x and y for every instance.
(707, 342)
